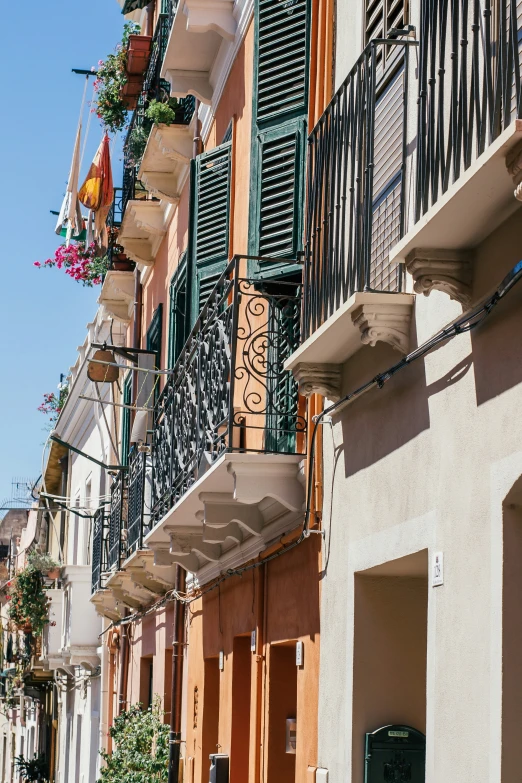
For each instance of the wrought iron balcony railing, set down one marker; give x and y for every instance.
(137, 515)
(228, 390)
(117, 522)
(355, 175)
(99, 549)
(469, 87)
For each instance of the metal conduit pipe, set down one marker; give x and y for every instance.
(178, 641)
(124, 659)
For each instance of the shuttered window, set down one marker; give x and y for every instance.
(126, 420)
(278, 154)
(381, 17)
(211, 220)
(282, 57)
(178, 312)
(387, 182)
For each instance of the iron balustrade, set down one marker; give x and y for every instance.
(136, 517)
(355, 175)
(228, 390)
(99, 549)
(469, 87)
(117, 522)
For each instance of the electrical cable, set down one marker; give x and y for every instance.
(465, 323)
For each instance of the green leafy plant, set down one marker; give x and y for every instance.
(42, 561)
(110, 80)
(164, 113)
(140, 747)
(28, 602)
(34, 769)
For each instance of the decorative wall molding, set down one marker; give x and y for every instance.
(388, 322)
(323, 379)
(449, 271)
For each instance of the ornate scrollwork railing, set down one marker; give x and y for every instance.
(229, 390)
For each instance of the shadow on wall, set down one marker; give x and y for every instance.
(496, 344)
(384, 419)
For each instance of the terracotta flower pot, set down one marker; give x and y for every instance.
(131, 90)
(138, 54)
(54, 573)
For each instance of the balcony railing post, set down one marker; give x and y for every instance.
(236, 303)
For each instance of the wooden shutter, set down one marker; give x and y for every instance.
(387, 182)
(211, 221)
(278, 153)
(178, 311)
(282, 60)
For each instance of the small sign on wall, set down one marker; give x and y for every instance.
(221, 660)
(253, 641)
(437, 569)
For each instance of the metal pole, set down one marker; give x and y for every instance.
(178, 626)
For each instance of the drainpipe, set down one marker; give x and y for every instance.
(104, 690)
(178, 628)
(124, 659)
(197, 145)
(64, 464)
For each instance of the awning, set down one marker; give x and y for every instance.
(133, 5)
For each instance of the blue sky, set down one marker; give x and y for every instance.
(43, 313)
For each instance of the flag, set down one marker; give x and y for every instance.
(97, 192)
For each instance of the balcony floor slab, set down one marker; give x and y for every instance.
(339, 337)
(474, 206)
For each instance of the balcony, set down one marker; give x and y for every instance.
(50, 655)
(226, 453)
(199, 29)
(143, 225)
(80, 626)
(353, 293)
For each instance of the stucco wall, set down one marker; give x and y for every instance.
(426, 463)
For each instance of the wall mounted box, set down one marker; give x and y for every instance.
(397, 752)
(219, 765)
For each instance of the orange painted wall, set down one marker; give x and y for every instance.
(281, 601)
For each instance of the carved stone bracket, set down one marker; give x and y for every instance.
(448, 271)
(196, 83)
(323, 379)
(388, 322)
(205, 15)
(277, 480)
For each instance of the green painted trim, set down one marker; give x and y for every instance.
(178, 311)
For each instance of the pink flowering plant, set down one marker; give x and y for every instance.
(53, 403)
(81, 263)
(111, 76)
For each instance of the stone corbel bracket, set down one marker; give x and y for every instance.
(449, 271)
(117, 294)
(323, 379)
(142, 230)
(189, 541)
(276, 480)
(166, 161)
(388, 322)
(205, 15)
(196, 83)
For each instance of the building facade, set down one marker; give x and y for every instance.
(411, 240)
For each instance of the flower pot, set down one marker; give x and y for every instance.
(138, 54)
(131, 90)
(54, 573)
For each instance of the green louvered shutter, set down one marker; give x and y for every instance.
(178, 311)
(211, 221)
(126, 419)
(279, 133)
(282, 58)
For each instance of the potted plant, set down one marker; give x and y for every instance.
(83, 264)
(138, 53)
(111, 104)
(28, 602)
(164, 113)
(32, 770)
(44, 563)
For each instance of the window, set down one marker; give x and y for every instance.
(154, 338)
(382, 16)
(125, 420)
(178, 313)
(210, 210)
(279, 133)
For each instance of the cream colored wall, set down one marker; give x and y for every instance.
(426, 463)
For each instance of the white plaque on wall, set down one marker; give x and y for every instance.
(437, 569)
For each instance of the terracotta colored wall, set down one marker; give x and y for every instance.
(281, 601)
